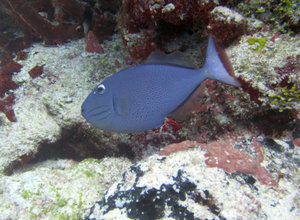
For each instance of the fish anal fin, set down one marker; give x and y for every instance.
(182, 112)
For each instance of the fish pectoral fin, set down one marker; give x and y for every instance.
(121, 106)
(173, 59)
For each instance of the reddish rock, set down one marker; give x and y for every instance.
(140, 45)
(154, 22)
(36, 71)
(172, 148)
(117, 63)
(226, 25)
(292, 66)
(224, 155)
(275, 36)
(33, 16)
(25, 158)
(6, 72)
(57, 21)
(21, 55)
(92, 44)
(297, 142)
(6, 107)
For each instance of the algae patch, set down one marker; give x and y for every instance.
(58, 189)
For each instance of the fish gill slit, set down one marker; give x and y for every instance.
(98, 113)
(96, 108)
(102, 118)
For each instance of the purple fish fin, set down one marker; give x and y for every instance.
(182, 112)
(218, 65)
(173, 59)
(120, 106)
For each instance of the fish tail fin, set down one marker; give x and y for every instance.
(218, 65)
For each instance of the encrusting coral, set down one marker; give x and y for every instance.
(222, 154)
(57, 21)
(246, 140)
(144, 24)
(7, 68)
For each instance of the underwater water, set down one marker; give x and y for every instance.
(210, 150)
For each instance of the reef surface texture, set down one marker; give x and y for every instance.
(181, 186)
(233, 155)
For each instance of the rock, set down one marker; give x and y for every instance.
(181, 186)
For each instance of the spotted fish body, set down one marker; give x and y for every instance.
(140, 98)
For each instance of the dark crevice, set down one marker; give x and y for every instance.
(76, 145)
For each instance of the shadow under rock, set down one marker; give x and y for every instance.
(77, 145)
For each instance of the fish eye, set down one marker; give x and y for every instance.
(100, 89)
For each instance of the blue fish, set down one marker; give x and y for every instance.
(140, 98)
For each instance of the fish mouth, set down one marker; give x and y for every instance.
(98, 113)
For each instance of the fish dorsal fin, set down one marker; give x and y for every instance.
(173, 59)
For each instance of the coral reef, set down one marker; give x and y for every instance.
(92, 44)
(154, 22)
(36, 71)
(283, 15)
(8, 67)
(226, 25)
(6, 106)
(268, 68)
(236, 152)
(58, 189)
(33, 19)
(222, 154)
(6, 72)
(56, 21)
(182, 186)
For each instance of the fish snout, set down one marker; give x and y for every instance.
(96, 113)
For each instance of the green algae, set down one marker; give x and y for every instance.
(258, 43)
(26, 194)
(56, 201)
(285, 99)
(282, 14)
(257, 61)
(55, 207)
(87, 173)
(59, 104)
(45, 99)
(91, 161)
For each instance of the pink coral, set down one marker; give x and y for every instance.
(171, 148)
(224, 155)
